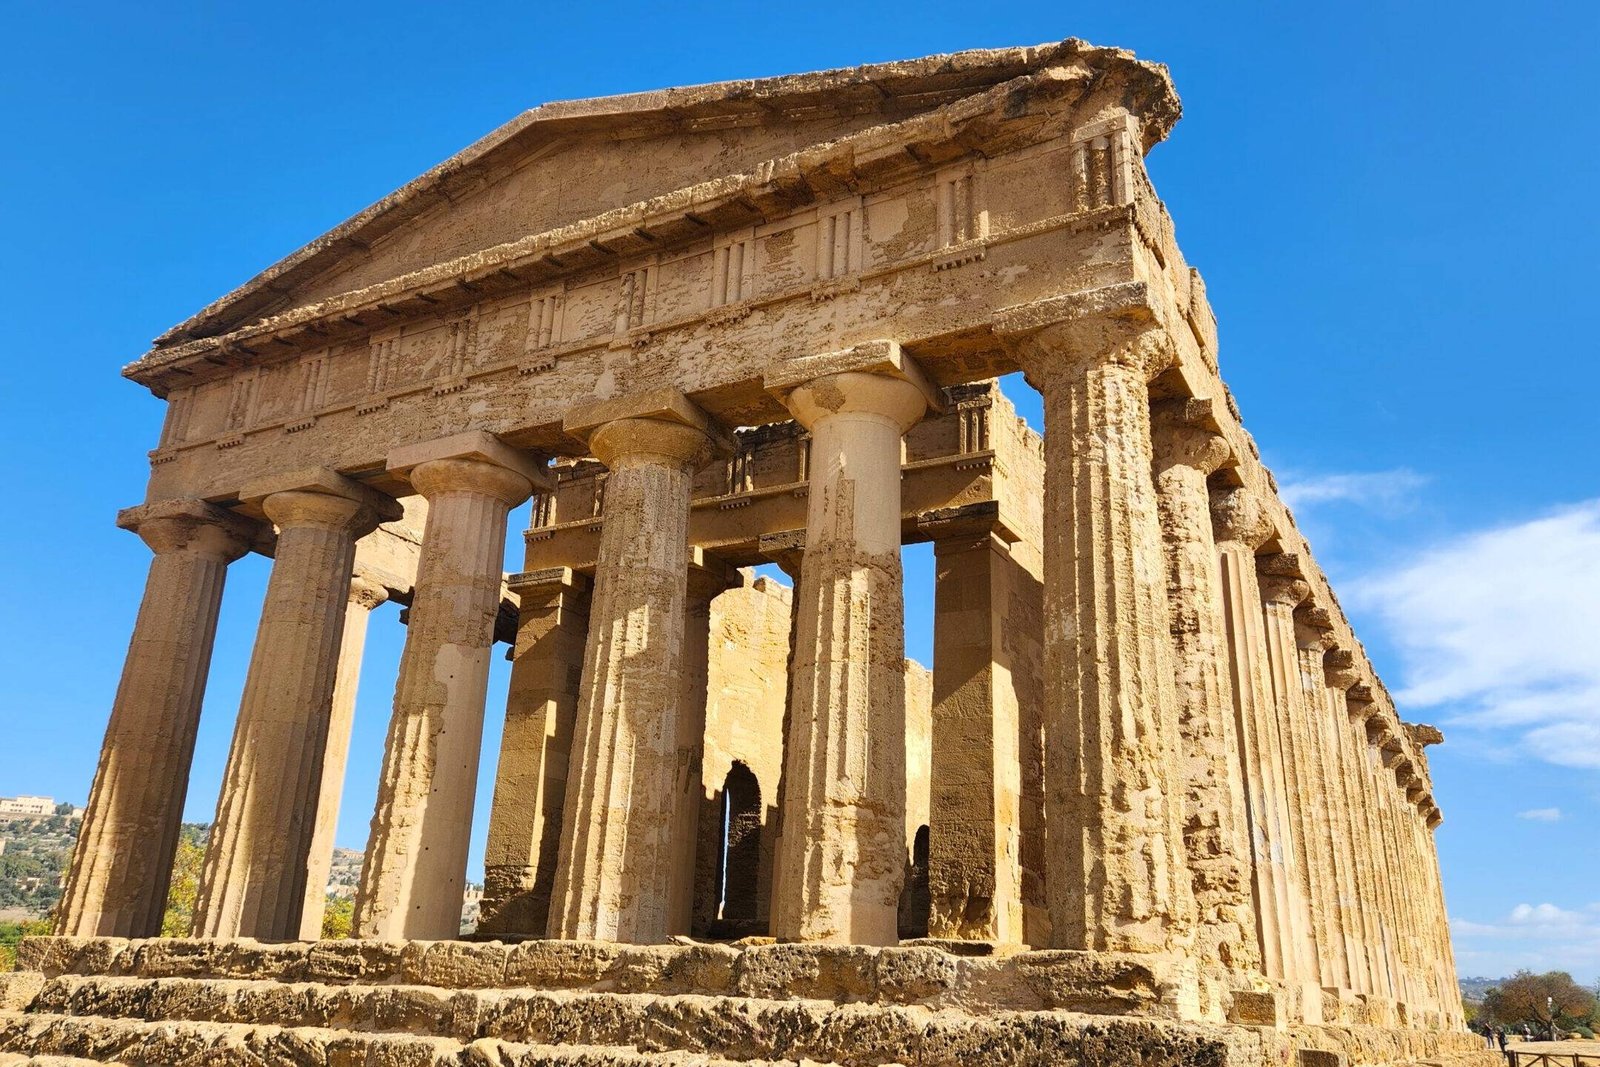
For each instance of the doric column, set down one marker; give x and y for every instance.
(842, 857)
(122, 864)
(254, 880)
(1118, 873)
(1365, 722)
(1216, 828)
(616, 869)
(366, 594)
(1367, 973)
(1313, 639)
(987, 657)
(708, 577)
(415, 870)
(1240, 527)
(1281, 592)
(787, 552)
(530, 788)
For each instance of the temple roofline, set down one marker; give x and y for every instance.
(900, 86)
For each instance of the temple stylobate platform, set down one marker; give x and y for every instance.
(1152, 804)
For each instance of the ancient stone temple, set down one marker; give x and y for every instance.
(1153, 806)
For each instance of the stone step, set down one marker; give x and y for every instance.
(927, 975)
(740, 1029)
(62, 1040)
(15, 1059)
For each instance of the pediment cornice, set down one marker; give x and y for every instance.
(991, 104)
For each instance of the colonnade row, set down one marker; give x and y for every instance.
(1219, 785)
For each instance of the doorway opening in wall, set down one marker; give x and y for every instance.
(739, 859)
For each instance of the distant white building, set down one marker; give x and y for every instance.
(27, 806)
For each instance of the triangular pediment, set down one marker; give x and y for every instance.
(562, 163)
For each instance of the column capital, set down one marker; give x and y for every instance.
(1313, 627)
(660, 425)
(1184, 433)
(1237, 515)
(191, 525)
(1112, 324)
(1282, 579)
(874, 377)
(550, 582)
(476, 461)
(787, 550)
(1339, 666)
(318, 496)
(366, 592)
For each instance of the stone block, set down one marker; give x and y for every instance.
(19, 988)
(1252, 1007)
(915, 975)
(817, 972)
(1310, 1057)
(355, 960)
(1092, 982)
(454, 964)
(559, 964)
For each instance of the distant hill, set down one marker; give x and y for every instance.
(1475, 988)
(34, 853)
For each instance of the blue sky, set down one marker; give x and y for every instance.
(1392, 206)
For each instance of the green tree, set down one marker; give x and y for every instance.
(1540, 1001)
(11, 933)
(178, 921)
(338, 918)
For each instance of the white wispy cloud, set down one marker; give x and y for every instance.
(1540, 937)
(1541, 814)
(1365, 488)
(1497, 630)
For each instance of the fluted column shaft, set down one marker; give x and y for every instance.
(841, 859)
(530, 789)
(1279, 597)
(707, 578)
(1240, 527)
(1390, 890)
(616, 869)
(1312, 642)
(365, 596)
(1216, 827)
(414, 874)
(254, 879)
(1367, 975)
(1379, 867)
(1117, 867)
(117, 886)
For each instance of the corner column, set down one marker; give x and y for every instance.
(365, 597)
(1216, 828)
(121, 867)
(842, 855)
(617, 867)
(254, 879)
(414, 875)
(530, 788)
(1117, 868)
